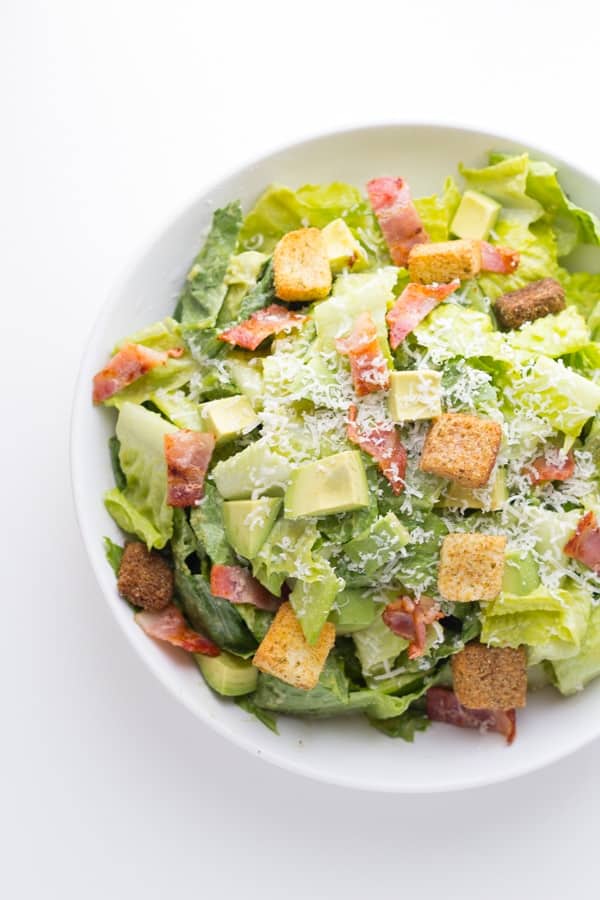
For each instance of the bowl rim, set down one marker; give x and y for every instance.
(81, 400)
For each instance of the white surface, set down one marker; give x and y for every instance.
(113, 116)
(340, 752)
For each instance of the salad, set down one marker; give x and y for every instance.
(356, 469)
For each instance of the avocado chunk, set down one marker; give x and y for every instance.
(489, 498)
(378, 546)
(228, 418)
(335, 484)
(353, 610)
(475, 216)
(521, 574)
(247, 374)
(343, 250)
(415, 395)
(254, 471)
(248, 523)
(228, 674)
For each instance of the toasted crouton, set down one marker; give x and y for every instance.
(286, 654)
(301, 266)
(529, 303)
(490, 677)
(462, 448)
(145, 578)
(471, 566)
(442, 262)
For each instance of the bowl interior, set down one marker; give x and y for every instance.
(346, 751)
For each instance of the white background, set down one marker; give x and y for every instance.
(113, 115)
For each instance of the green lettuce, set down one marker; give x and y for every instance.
(280, 209)
(113, 553)
(538, 257)
(241, 278)
(571, 224)
(437, 212)
(377, 647)
(573, 673)
(373, 549)
(582, 290)
(141, 507)
(206, 521)
(551, 623)
(312, 599)
(178, 408)
(553, 335)
(114, 448)
(204, 290)
(505, 180)
(556, 393)
(451, 330)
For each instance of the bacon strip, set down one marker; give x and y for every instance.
(503, 260)
(397, 215)
(130, 363)
(384, 445)
(169, 625)
(237, 585)
(187, 454)
(442, 706)
(545, 468)
(262, 324)
(585, 543)
(414, 303)
(369, 369)
(410, 618)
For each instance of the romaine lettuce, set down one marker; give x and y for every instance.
(437, 211)
(552, 335)
(573, 673)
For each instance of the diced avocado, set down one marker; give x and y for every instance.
(343, 250)
(475, 216)
(228, 418)
(248, 523)
(415, 395)
(379, 545)
(335, 484)
(377, 647)
(247, 374)
(489, 498)
(256, 470)
(353, 610)
(521, 575)
(227, 674)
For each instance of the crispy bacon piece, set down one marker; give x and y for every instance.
(442, 706)
(503, 260)
(127, 365)
(187, 454)
(262, 324)
(547, 468)
(414, 303)
(384, 445)
(409, 618)
(237, 585)
(585, 543)
(169, 625)
(369, 369)
(397, 216)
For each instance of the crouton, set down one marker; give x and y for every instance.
(301, 266)
(462, 448)
(471, 566)
(442, 262)
(529, 303)
(286, 654)
(145, 578)
(490, 677)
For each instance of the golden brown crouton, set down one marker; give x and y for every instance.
(442, 262)
(462, 448)
(529, 303)
(145, 578)
(471, 566)
(490, 677)
(301, 266)
(286, 654)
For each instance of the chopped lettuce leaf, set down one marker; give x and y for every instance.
(241, 278)
(552, 335)
(506, 182)
(206, 521)
(404, 726)
(573, 673)
(537, 247)
(246, 703)
(582, 290)
(141, 507)
(372, 550)
(114, 554)
(204, 290)
(377, 647)
(437, 211)
(451, 330)
(556, 393)
(353, 294)
(114, 448)
(571, 224)
(313, 599)
(178, 408)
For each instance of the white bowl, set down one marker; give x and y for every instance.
(341, 751)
